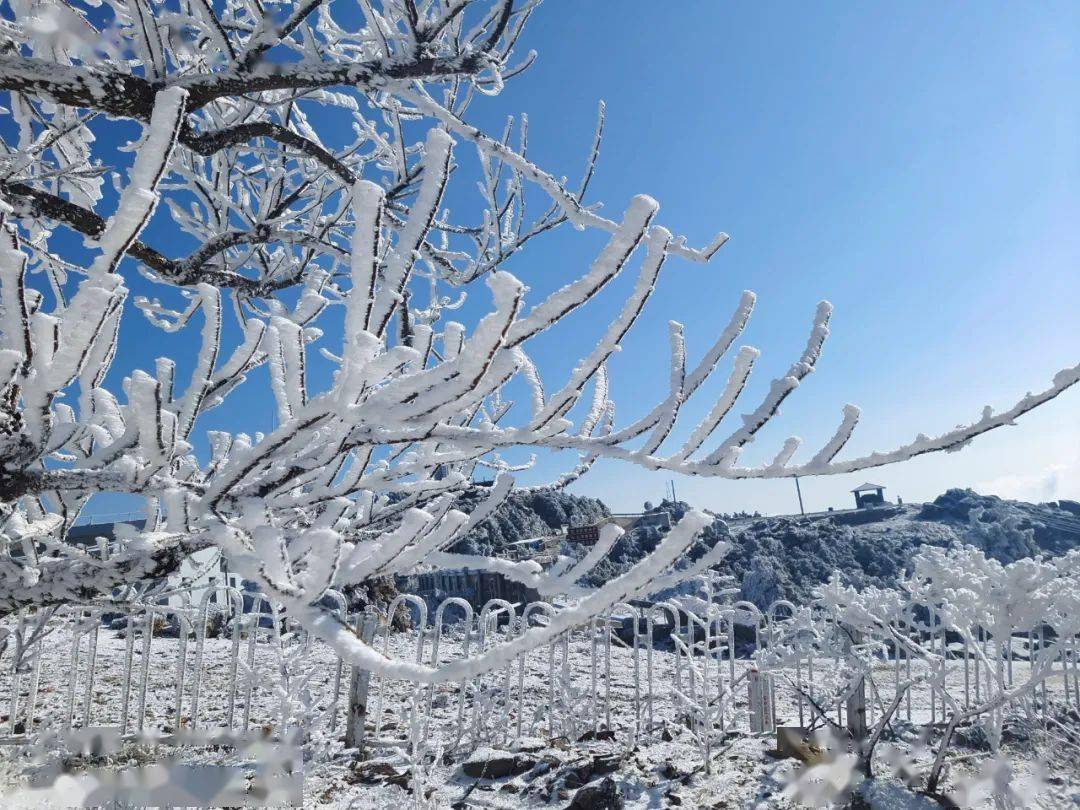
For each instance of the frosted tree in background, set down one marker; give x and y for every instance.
(288, 203)
(957, 608)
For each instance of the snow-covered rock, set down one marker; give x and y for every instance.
(603, 795)
(491, 763)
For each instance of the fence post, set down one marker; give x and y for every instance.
(358, 685)
(762, 719)
(856, 702)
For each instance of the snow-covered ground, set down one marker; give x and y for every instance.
(651, 765)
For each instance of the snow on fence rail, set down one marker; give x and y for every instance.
(699, 660)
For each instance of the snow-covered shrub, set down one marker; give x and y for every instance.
(966, 595)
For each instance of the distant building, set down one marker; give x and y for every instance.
(585, 534)
(869, 495)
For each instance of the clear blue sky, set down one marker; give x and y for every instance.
(917, 164)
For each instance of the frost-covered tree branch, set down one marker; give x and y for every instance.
(289, 168)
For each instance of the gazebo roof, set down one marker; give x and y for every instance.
(868, 487)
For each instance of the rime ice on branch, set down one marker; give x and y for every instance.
(360, 478)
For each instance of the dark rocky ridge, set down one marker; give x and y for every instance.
(785, 557)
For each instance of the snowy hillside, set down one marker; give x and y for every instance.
(785, 557)
(526, 514)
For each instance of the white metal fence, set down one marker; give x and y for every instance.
(631, 672)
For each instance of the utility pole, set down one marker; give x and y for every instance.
(798, 489)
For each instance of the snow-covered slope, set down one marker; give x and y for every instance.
(785, 557)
